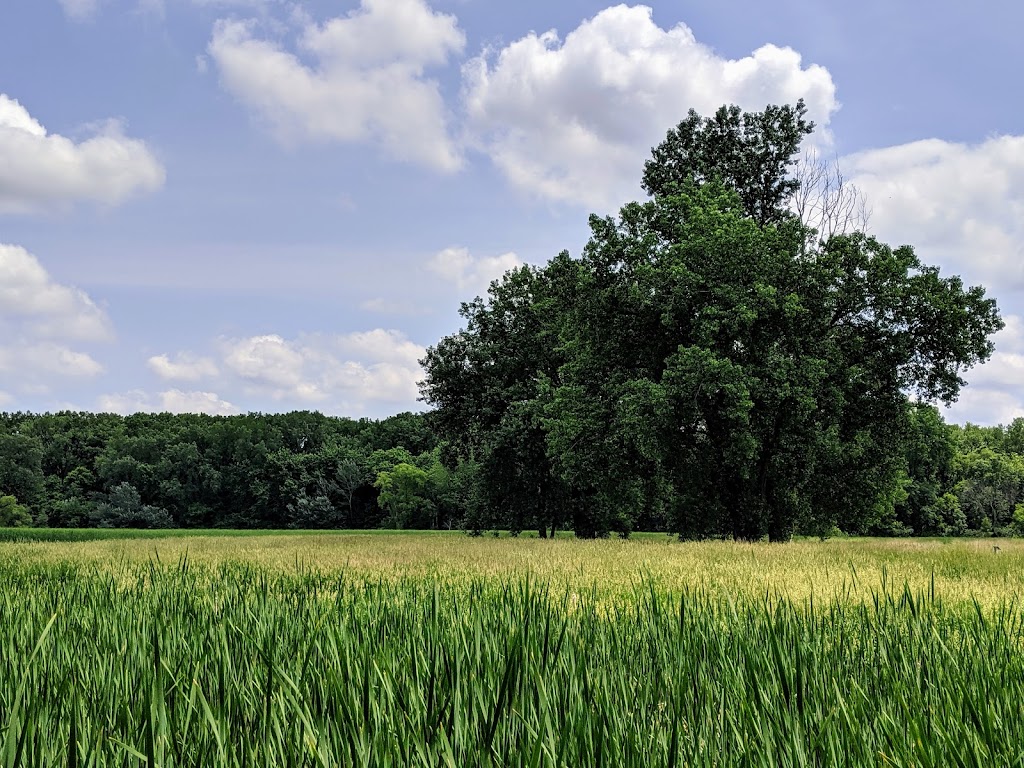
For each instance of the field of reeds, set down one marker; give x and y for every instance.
(439, 650)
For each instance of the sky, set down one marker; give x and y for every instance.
(227, 206)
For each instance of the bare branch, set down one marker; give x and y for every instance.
(826, 200)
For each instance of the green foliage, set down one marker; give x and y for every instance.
(1018, 519)
(297, 470)
(21, 473)
(74, 512)
(233, 665)
(949, 519)
(349, 476)
(405, 492)
(489, 383)
(314, 512)
(22, 535)
(989, 487)
(749, 152)
(13, 514)
(123, 508)
(929, 509)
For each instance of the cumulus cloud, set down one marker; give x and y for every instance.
(169, 401)
(366, 81)
(343, 372)
(271, 363)
(40, 170)
(993, 394)
(471, 273)
(38, 319)
(574, 119)
(32, 364)
(44, 308)
(1006, 368)
(184, 367)
(960, 205)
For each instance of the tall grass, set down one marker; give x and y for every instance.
(958, 570)
(238, 665)
(25, 535)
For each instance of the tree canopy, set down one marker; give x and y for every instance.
(707, 363)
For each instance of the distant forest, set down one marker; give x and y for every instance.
(305, 470)
(296, 470)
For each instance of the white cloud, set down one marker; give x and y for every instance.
(170, 401)
(79, 10)
(135, 401)
(185, 367)
(993, 394)
(86, 10)
(40, 170)
(31, 364)
(472, 273)
(38, 318)
(269, 362)
(176, 401)
(961, 206)
(986, 407)
(44, 307)
(343, 372)
(574, 119)
(5, 399)
(1006, 368)
(378, 345)
(392, 307)
(367, 84)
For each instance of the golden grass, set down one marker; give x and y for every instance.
(850, 569)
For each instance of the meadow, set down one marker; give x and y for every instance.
(366, 649)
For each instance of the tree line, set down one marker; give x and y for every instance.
(309, 471)
(731, 357)
(295, 470)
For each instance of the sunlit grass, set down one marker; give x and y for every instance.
(848, 569)
(343, 649)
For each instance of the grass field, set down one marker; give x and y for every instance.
(366, 649)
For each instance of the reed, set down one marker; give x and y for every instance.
(199, 663)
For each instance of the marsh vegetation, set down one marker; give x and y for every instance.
(437, 650)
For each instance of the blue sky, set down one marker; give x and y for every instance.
(246, 205)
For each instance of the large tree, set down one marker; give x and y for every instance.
(750, 153)
(488, 384)
(708, 357)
